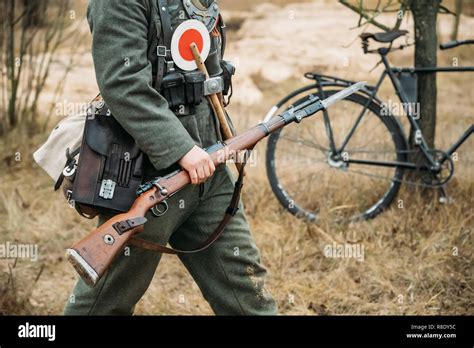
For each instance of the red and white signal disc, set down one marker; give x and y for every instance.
(185, 34)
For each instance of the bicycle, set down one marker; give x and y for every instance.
(357, 160)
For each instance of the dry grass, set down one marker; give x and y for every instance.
(418, 260)
(409, 266)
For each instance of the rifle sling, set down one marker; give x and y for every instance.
(230, 212)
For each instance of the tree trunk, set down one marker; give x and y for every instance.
(10, 59)
(3, 110)
(35, 12)
(425, 14)
(457, 20)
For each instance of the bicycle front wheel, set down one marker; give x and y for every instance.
(309, 166)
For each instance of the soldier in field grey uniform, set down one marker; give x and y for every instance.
(229, 273)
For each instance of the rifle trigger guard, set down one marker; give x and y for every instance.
(157, 212)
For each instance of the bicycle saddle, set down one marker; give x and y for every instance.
(384, 37)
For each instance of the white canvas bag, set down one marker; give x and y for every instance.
(51, 156)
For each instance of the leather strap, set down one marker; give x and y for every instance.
(70, 161)
(164, 35)
(165, 24)
(111, 169)
(222, 29)
(160, 69)
(230, 212)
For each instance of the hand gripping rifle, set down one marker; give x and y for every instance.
(92, 256)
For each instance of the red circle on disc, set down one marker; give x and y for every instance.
(188, 37)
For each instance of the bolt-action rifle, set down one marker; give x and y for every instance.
(92, 256)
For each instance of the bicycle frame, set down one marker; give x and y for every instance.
(411, 118)
(371, 92)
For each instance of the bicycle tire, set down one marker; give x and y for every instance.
(400, 144)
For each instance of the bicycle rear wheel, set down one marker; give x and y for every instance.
(312, 181)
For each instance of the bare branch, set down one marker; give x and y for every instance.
(445, 10)
(364, 15)
(400, 15)
(20, 17)
(28, 54)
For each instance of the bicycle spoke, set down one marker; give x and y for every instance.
(305, 159)
(295, 179)
(306, 143)
(368, 140)
(351, 151)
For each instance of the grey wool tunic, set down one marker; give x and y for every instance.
(124, 40)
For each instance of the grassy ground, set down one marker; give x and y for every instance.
(418, 258)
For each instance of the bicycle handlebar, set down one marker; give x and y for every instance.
(455, 43)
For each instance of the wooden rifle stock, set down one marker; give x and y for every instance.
(93, 255)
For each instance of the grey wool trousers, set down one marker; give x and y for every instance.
(229, 273)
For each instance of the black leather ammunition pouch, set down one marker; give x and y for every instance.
(183, 88)
(194, 87)
(173, 89)
(188, 88)
(109, 170)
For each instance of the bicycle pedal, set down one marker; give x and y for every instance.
(446, 200)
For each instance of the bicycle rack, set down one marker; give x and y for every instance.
(333, 81)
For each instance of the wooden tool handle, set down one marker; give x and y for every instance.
(198, 59)
(214, 98)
